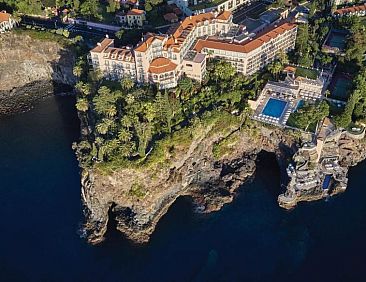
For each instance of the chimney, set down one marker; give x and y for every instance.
(99, 44)
(106, 36)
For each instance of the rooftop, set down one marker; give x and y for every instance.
(353, 9)
(161, 65)
(135, 12)
(246, 46)
(4, 16)
(102, 45)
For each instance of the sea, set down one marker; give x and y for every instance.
(250, 239)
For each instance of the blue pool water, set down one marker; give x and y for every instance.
(300, 104)
(274, 108)
(327, 181)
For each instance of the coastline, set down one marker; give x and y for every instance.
(210, 182)
(32, 69)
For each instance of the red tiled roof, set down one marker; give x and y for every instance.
(161, 65)
(149, 38)
(353, 9)
(102, 45)
(135, 12)
(225, 15)
(247, 46)
(4, 16)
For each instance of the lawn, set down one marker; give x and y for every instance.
(309, 73)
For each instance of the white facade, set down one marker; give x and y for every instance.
(229, 5)
(6, 22)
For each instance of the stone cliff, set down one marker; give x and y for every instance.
(138, 198)
(30, 69)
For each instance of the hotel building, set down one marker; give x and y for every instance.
(163, 59)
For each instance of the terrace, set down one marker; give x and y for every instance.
(275, 107)
(279, 99)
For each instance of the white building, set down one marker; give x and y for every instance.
(163, 59)
(194, 7)
(6, 21)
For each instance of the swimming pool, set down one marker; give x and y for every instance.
(274, 108)
(327, 181)
(300, 104)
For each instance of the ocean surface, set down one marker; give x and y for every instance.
(251, 239)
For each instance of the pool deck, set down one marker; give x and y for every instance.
(292, 90)
(278, 121)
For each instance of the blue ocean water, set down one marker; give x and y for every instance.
(251, 239)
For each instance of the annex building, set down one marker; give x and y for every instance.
(163, 59)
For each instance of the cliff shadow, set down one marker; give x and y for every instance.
(62, 77)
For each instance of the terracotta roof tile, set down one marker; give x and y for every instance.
(135, 12)
(102, 45)
(247, 46)
(225, 15)
(161, 65)
(4, 16)
(351, 9)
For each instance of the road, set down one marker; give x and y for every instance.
(56, 24)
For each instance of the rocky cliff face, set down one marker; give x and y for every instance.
(30, 69)
(138, 198)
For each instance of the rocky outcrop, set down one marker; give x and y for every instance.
(139, 197)
(30, 70)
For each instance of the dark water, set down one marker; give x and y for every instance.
(249, 240)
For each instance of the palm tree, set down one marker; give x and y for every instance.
(82, 105)
(77, 71)
(124, 135)
(127, 83)
(104, 126)
(111, 111)
(186, 87)
(275, 68)
(83, 88)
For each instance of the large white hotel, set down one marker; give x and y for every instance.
(163, 59)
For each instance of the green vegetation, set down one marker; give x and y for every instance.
(355, 109)
(137, 190)
(90, 9)
(307, 117)
(130, 126)
(46, 35)
(309, 73)
(226, 146)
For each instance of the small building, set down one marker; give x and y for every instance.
(134, 17)
(6, 21)
(171, 17)
(358, 11)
